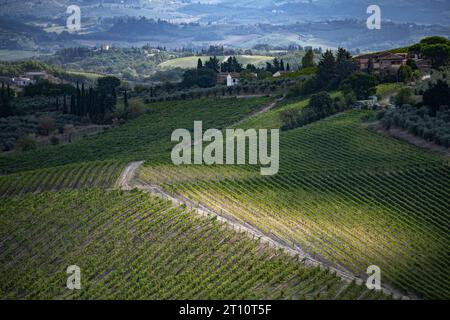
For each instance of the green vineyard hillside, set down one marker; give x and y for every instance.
(99, 174)
(146, 138)
(349, 197)
(130, 245)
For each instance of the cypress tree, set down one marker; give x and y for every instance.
(2, 101)
(308, 59)
(64, 104)
(83, 101)
(125, 99)
(326, 71)
(72, 105)
(5, 107)
(8, 90)
(91, 105)
(78, 111)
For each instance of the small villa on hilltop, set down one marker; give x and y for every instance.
(33, 77)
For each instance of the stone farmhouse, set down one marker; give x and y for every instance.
(390, 63)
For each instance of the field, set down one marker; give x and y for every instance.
(12, 55)
(191, 62)
(348, 197)
(89, 75)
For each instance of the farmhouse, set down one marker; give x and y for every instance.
(390, 63)
(382, 62)
(37, 75)
(229, 78)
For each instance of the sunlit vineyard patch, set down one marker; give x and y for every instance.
(345, 195)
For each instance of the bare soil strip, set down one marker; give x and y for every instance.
(257, 113)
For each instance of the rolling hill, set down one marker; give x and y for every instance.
(347, 197)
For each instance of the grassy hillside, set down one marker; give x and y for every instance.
(133, 246)
(271, 119)
(191, 62)
(147, 138)
(12, 55)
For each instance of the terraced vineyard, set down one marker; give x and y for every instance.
(130, 245)
(100, 174)
(347, 196)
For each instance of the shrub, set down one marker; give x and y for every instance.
(26, 143)
(46, 126)
(136, 109)
(54, 141)
(405, 96)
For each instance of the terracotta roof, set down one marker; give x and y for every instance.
(372, 55)
(384, 56)
(392, 56)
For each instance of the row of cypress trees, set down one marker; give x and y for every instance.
(92, 103)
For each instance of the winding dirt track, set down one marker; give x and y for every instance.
(127, 176)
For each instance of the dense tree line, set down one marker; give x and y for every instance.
(70, 54)
(420, 122)
(93, 102)
(437, 49)
(12, 69)
(47, 89)
(231, 65)
(205, 75)
(277, 65)
(335, 71)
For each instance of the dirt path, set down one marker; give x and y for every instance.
(125, 181)
(257, 113)
(128, 180)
